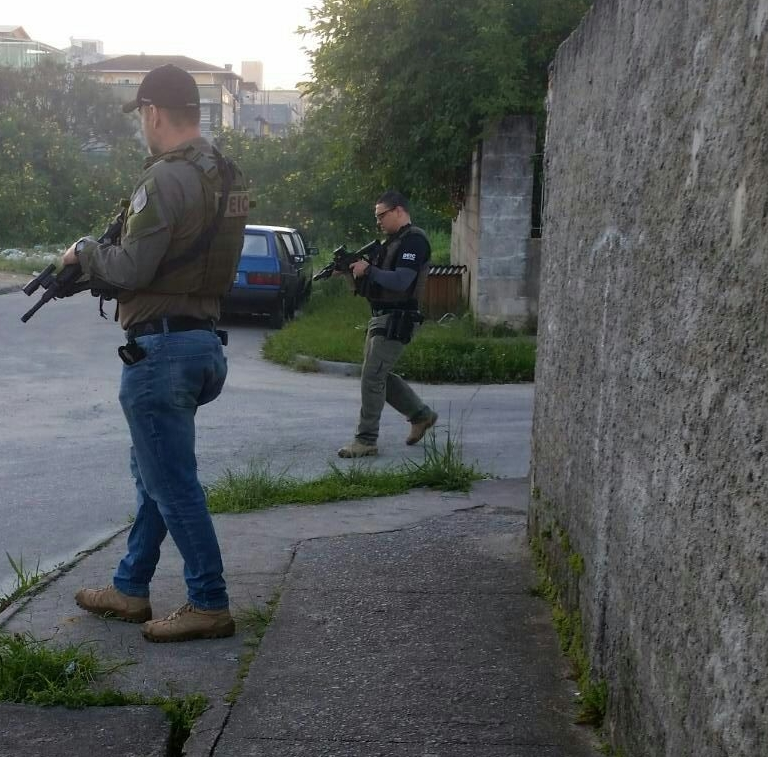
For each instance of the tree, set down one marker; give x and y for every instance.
(408, 87)
(79, 105)
(52, 189)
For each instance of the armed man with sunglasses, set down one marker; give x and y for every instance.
(394, 284)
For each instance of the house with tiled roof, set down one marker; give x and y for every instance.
(219, 87)
(19, 50)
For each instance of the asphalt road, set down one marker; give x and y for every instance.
(64, 480)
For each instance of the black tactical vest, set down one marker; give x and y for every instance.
(208, 266)
(415, 292)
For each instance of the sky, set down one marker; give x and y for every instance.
(214, 33)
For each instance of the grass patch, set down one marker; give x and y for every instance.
(593, 695)
(31, 672)
(182, 714)
(332, 327)
(440, 242)
(25, 261)
(252, 624)
(576, 563)
(258, 488)
(24, 580)
(608, 751)
(458, 350)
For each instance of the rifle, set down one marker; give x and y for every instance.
(67, 282)
(343, 259)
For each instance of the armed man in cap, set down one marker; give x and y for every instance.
(178, 255)
(394, 284)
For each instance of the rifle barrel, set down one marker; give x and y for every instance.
(33, 310)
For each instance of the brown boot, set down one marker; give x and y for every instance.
(419, 429)
(111, 603)
(188, 623)
(358, 449)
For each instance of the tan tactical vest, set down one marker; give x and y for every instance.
(416, 291)
(208, 267)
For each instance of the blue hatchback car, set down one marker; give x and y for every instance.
(267, 279)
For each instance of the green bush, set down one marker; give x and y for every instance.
(435, 356)
(333, 324)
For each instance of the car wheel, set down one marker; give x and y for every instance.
(277, 316)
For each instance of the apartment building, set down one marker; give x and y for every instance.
(219, 87)
(19, 50)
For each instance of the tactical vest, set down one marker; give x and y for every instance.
(387, 263)
(208, 266)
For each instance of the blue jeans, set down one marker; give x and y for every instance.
(160, 395)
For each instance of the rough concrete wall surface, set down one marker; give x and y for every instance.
(506, 197)
(465, 233)
(652, 375)
(492, 232)
(532, 275)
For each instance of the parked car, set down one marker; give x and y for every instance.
(267, 280)
(302, 258)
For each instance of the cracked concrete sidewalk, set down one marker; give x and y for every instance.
(405, 627)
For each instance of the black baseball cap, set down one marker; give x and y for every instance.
(166, 87)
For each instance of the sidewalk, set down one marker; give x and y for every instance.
(405, 627)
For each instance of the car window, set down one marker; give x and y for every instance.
(256, 245)
(286, 237)
(282, 250)
(298, 244)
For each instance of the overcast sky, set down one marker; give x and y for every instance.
(217, 33)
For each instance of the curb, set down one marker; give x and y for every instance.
(55, 573)
(329, 366)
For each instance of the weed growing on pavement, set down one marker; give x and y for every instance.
(608, 751)
(443, 467)
(32, 672)
(182, 714)
(252, 624)
(24, 580)
(593, 695)
(258, 488)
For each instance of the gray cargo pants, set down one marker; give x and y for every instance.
(379, 385)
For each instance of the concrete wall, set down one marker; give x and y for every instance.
(492, 231)
(652, 375)
(465, 233)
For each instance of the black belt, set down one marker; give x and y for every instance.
(162, 325)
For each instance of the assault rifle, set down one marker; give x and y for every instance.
(343, 259)
(67, 282)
